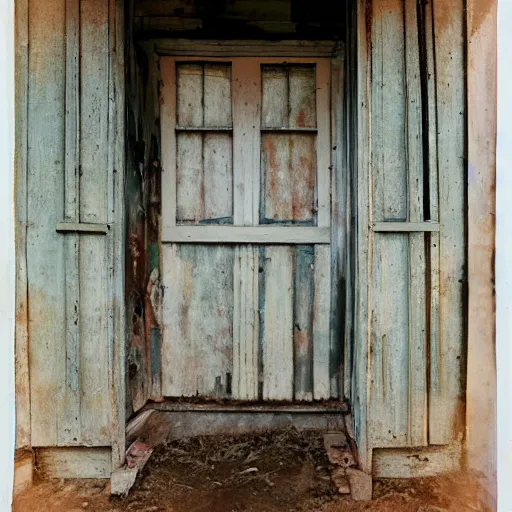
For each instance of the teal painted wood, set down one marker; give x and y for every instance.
(45, 205)
(94, 253)
(303, 313)
(389, 391)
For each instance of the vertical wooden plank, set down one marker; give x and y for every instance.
(218, 176)
(362, 110)
(167, 126)
(246, 141)
(94, 263)
(323, 142)
(417, 435)
(246, 91)
(277, 203)
(445, 401)
(388, 111)
(341, 286)
(277, 336)
(389, 404)
(190, 95)
(189, 178)
(22, 375)
(198, 338)
(275, 112)
(302, 89)
(45, 195)
(116, 218)
(217, 95)
(321, 321)
(71, 427)
(245, 324)
(288, 172)
(303, 322)
(434, 238)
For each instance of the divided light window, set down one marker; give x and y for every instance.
(246, 143)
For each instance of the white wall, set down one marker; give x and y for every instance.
(504, 256)
(7, 265)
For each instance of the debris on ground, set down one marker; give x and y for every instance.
(282, 471)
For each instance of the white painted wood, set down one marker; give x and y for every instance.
(245, 324)
(277, 336)
(168, 140)
(321, 323)
(323, 141)
(246, 140)
(74, 462)
(406, 227)
(417, 462)
(8, 258)
(250, 235)
(243, 48)
(503, 257)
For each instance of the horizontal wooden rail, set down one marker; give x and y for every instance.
(405, 227)
(82, 227)
(247, 235)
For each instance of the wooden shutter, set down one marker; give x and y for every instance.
(409, 304)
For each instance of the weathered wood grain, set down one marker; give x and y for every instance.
(190, 94)
(417, 431)
(251, 235)
(218, 176)
(93, 270)
(303, 315)
(389, 406)
(277, 335)
(168, 140)
(245, 324)
(190, 190)
(302, 97)
(275, 98)
(74, 462)
(321, 324)
(45, 251)
(71, 427)
(445, 403)
(197, 320)
(22, 374)
(246, 141)
(217, 95)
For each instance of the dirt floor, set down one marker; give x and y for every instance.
(281, 471)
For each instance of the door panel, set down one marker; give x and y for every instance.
(246, 305)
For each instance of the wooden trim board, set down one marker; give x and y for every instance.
(246, 235)
(74, 462)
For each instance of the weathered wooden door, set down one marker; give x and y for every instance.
(246, 229)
